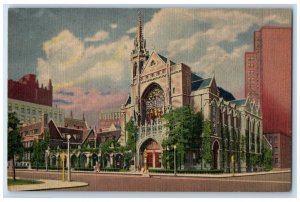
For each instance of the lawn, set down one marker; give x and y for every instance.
(22, 182)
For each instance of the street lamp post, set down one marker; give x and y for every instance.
(47, 153)
(168, 155)
(174, 159)
(69, 169)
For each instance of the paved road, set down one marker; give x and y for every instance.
(279, 182)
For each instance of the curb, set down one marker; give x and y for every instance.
(226, 175)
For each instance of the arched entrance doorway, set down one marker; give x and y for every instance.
(73, 161)
(83, 160)
(94, 159)
(153, 154)
(215, 154)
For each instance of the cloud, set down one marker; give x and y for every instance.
(193, 36)
(131, 30)
(113, 26)
(69, 63)
(99, 36)
(93, 101)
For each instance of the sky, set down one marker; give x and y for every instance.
(86, 51)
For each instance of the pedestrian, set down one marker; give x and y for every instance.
(97, 167)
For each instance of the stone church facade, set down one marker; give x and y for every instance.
(158, 84)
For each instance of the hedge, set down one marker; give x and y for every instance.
(84, 169)
(21, 167)
(49, 168)
(187, 171)
(102, 170)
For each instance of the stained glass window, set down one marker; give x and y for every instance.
(154, 103)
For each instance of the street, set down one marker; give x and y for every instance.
(276, 182)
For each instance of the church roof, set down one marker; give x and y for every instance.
(225, 94)
(197, 85)
(195, 77)
(238, 102)
(166, 59)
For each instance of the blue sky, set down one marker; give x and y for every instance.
(86, 51)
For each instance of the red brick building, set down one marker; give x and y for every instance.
(268, 82)
(27, 89)
(282, 148)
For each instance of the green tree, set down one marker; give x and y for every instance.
(243, 147)
(266, 157)
(206, 142)
(14, 146)
(130, 148)
(185, 128)
(39, 148)
(223, 142)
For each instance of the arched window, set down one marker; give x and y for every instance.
(214, 117)
(134, 69)
(152, 63)
(154, 102)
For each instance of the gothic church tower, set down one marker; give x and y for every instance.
(139, 56)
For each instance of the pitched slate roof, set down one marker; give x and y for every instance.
(196, 85)
(195, 77)
(166, 59)
(238, 102)
(225, 94)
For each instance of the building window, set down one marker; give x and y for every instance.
(9, 107)
(16, 107)
(28, 110)
(22, 109)
(33, 111)
(152, 63)
(174, 90)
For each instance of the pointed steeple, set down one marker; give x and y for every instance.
(139, 41)
(139, 33)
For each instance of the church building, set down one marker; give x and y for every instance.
(157, 84)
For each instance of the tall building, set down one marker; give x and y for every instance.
(268, 82)
(30, 113)
(27, 89)
(158, 84)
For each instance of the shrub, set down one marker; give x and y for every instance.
(186, 171)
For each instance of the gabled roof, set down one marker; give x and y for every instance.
(204, 83)
(239, 102)
(166, 59)
(225, 94)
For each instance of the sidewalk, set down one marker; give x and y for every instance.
(223, 175)
(136, 173)
(47, 185)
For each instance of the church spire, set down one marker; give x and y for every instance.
(139, 33)
(139, 41)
